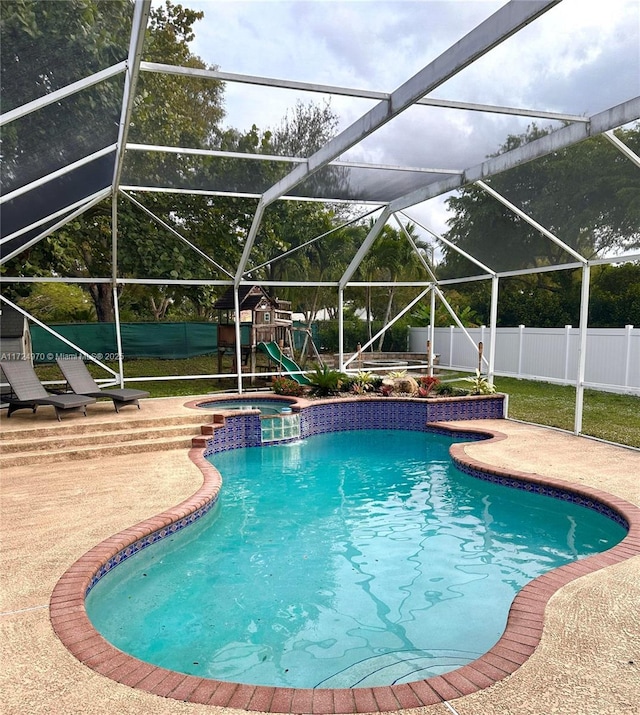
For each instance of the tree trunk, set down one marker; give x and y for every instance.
(102, 297)
(387, 315)
(159, 310)
(369, 313)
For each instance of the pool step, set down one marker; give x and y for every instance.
(106, 436)
(97, 438)
(107, 423)
(92, 452)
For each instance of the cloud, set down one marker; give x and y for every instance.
(581, 57)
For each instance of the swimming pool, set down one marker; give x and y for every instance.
(369, 600)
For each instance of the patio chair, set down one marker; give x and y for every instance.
(80, 381)
(28, 392)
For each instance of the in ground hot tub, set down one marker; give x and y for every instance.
(266, 405)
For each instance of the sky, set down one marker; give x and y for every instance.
(581, 57)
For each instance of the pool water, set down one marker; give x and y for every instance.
(266, 407)
(348, 559)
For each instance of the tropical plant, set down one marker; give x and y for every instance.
(326, 381)
(427, 384)
(363, 381)
(467, 315)
(480, 384)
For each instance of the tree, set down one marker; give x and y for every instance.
(46, 46)
(543, 300)
(588, 195)
(288, 225)
(391, 258)
(59, 303)
(421, 315)
(168, 110)
(615, 296)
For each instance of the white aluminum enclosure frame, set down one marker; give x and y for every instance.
(504, 23)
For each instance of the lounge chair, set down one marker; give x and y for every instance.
(27, 391)
(80, 381)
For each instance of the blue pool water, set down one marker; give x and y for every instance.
(266, 407)
(348, 559)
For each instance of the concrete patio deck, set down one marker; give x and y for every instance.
(587, 662)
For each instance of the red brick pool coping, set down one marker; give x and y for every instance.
(519, 640)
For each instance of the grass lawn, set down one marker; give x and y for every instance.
(153, 367)
(606, 415)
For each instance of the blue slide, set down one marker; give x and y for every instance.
(274, 352)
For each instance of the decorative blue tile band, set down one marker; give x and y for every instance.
(537, 488)
(146, 541)
(386, 413)
(242, 430)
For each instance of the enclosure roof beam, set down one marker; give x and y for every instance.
(490, 33)
(62, 93)
(622, 147)
(284, 159)
(243, 195)
(540, 269)
(611, 118)
(52, 279)
(627, 258)
(390, 284)
(351, 92)
(453, 246)
(539, 227)
(562, 138)
(189, 192)
(364, 248)
(140, 18)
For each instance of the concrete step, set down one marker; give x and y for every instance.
(100, 435)
(68, 441)
(35, 457)
(104, 425)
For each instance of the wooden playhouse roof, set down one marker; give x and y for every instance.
(248, 296)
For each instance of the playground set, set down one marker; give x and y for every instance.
(266, 325)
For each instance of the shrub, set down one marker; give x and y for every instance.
(286, 386)
(446, 390)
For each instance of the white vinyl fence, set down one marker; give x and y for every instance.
(550, 354)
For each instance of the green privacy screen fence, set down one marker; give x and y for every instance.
(169, 341)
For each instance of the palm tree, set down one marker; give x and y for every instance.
(391, 258)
